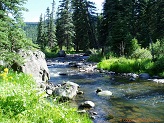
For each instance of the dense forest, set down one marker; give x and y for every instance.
(129, 28)
(77, 25)
(125, 28)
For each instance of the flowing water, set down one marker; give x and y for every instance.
(137, 101)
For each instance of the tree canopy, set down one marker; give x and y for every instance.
(12, 36)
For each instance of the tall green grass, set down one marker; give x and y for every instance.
(22, 102)
(123, 65)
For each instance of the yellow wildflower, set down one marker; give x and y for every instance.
(6, 70)
(4, 75)
(30, 75)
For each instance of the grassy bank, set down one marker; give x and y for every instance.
(21, 102)
(123, 65)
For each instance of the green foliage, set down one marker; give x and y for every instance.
(159, 65)
(158, 48)
(30, 29)
(141, 53)
(158, 51)
(123, 65)
(65, 27)
(12, 36)
(50, 53)
(124, 20)
(84, 22)
(95, 56)
(46, 36)
(22, 102)
(135, 45)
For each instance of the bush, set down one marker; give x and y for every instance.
(159, 65)
(50, 53)
(141, 54)
(158, 48)
(95, 56)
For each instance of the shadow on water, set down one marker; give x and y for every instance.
(138, 101)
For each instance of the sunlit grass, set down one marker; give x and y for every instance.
(21, 102)
(123, 65)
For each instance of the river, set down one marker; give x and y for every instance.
(137, 101)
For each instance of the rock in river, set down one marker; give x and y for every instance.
(87, 104)
(144, 76)
(68, 90)
(104, 93)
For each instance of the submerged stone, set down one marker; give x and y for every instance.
(104, 93)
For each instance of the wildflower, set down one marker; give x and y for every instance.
(6, 70)
(30, 75)
(4, 74)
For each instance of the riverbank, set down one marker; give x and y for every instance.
(21, 101)
(129, 99)
(119, 67)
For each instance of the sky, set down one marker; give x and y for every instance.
(36, 7)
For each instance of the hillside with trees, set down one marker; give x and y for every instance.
(121, 21)
(30, 29)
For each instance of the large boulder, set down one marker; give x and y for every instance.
(34, 64)
(67, 90)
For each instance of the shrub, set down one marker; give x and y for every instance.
(141, 54)
(134, 46)
(95, 56)
(50, 53)
(159, 65)
(158, 48)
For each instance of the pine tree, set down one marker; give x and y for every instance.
(84, 22)
(52, 33)
(47, 30)
(11, 34)
(65, 27)
(51, 28)
(30, 29)
(40, 37)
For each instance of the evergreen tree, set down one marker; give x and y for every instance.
(40, 37)
(84, 22)
(51, 28)
(11, 34)
(65, 27)
(47, 30)
(52, 33)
